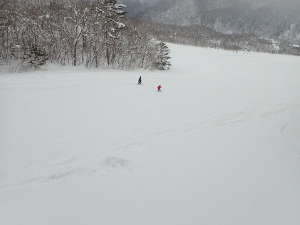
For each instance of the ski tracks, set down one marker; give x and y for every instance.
(118, 157)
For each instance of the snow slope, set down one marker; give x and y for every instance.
(219, 146)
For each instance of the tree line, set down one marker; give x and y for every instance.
(94, 33)
(206, 37)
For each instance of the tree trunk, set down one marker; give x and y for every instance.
(75, 55)
(107, 57)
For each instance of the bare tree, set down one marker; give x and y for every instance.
(92, 33)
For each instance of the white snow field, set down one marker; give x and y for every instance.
(220, 145)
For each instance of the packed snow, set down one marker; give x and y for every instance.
(220, 145)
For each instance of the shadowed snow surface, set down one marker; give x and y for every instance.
(220, 145)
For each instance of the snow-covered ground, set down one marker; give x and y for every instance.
(219, 146)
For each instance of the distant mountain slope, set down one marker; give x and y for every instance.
(270, 19)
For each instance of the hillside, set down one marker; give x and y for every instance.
(219, 144)
(267, 19)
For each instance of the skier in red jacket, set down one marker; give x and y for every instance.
(159, 88)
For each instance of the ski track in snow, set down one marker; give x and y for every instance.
(72, 166)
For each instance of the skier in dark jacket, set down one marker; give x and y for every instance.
(140, 81)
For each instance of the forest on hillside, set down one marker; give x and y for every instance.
(207, 37)
(94, 33)
(267, 19)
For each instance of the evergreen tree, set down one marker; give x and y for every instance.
(163, 58)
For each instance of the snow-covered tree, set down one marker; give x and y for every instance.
(75, 32)
(35, 56)
(163, 57)
(109, 16)
(73, 29)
